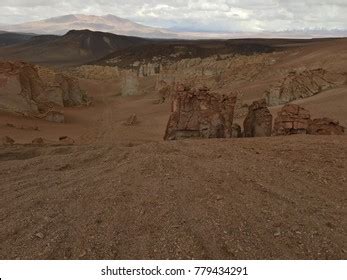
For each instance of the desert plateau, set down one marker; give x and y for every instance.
(153, 147)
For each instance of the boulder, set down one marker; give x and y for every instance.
(199, 113)
(292, 119)
(258, 122)
(7, 141)
(325, 126)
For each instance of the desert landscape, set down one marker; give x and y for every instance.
(122, 147)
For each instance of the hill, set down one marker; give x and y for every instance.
(75, 47)
(10, 38)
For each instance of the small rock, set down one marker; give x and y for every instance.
(38, 141)
(39, 235)
(132, 120)
(66, 140)
(7, 141)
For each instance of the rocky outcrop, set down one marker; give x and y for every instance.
(33, 91)
(130, 84)
(292, 119)
(298, 85)
(325, 126)
(21, 90)
(258, 122)
(199, 113)
(62, 89)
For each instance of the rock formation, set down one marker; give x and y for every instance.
(325, 126)
(292, 119)
(258, 122)
(199, 113)
(299, 85)
(32, 91)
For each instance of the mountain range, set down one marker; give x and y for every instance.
(107, 23)
(113, 24)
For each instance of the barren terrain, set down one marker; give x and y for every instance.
(121, 192)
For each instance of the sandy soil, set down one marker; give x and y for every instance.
(276, 198)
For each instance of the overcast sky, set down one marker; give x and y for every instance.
(192, 15)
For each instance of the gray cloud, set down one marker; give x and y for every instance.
(194, 15)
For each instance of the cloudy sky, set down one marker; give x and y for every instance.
(192, 15)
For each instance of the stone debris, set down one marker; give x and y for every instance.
(258, 122)
(199, 113)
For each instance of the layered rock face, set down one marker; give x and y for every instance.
(34, 91)
(325, 126)
(199, 113)
(258, 122)
(299, 85)
(292, 119)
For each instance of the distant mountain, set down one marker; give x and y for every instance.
(10, 38)
(74, 48)
(108, 23)
(116, 25)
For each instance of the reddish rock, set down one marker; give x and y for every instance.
(199, 113)
(292, 119)
(258, 122)
(325, 126)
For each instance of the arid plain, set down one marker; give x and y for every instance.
(86, 173)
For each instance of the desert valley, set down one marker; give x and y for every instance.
(123, 147)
